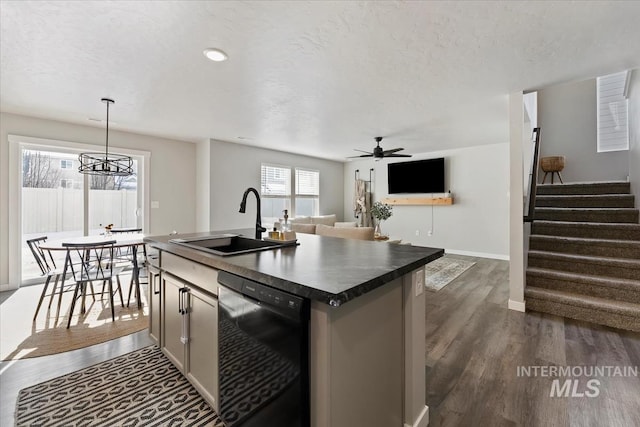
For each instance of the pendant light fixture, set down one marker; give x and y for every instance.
(105, 164)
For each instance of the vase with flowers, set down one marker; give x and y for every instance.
(381, 212)
(107, 229)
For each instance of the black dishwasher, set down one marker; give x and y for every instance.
(263, 347)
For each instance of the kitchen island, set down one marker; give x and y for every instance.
(366, 320)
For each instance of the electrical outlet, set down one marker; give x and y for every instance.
(417, 232)
(419, 282)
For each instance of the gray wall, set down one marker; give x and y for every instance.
(567, 116)
(235, 167)
(478, 221)
(203, 185)
(634, 134)
(172, 172)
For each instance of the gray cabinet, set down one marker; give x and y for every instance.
(202, 353)
(173, 320)
(190, 333)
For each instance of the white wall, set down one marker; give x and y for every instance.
(634, 134)
(235, 167)
(567, 116)
(172, 172)
(517, 231)
(477, 222)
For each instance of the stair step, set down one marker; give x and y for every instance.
(587, 229)
(583, 284)
(622, 215)
(617, 314)
(584, 264)
(587, 201)
(612, 187)
(586, 246)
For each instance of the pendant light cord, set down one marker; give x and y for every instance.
(106, 164)
(106, 151)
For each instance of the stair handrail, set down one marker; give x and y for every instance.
(533, 177)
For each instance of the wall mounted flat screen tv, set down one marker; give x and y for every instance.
(418, 176)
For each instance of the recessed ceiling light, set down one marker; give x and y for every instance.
(215, 54)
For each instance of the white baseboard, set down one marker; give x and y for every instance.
(516, 305)
(7, 287)
(422, 420)
(477, 254)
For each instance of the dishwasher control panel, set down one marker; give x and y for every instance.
(271, 296)
(262, 294)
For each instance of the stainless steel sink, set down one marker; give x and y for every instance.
(227, 244)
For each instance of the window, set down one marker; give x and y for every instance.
(276, 192)
(612, 115)
(66, 164)
(66, 183)
(307, 201)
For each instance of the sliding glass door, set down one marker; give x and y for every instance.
(59, 202)
(52, 201)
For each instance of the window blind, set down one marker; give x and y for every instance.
(275, 181)
(307, 182)
(612, 112)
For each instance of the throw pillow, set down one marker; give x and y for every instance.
(300, 220)
(360, 233)
(303, 228)
(345, 224)
(324, 219)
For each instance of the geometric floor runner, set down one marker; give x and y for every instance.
(139, 388)
(443, 271)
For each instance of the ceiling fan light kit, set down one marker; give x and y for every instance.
(105, 164)
(378, 153)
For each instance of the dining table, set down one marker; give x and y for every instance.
(128, 242)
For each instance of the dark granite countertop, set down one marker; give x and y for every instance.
(325, 269)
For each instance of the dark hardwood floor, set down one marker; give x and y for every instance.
(474, 346)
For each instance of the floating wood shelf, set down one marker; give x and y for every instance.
(419, 201)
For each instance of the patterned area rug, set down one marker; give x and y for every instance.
(138, 388)
(441, 272)
(144, 388)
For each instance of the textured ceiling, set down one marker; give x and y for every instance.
(318, 78)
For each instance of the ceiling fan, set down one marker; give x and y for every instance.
(378, 153)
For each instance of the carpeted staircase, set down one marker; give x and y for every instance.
(584, 254)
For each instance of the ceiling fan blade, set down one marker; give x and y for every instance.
(398, 155)
(362, 151)
(393, 150)
(364, 155)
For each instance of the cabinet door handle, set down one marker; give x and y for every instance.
(185, 301)
(185, 318)
(156, 282)
(180, 309)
